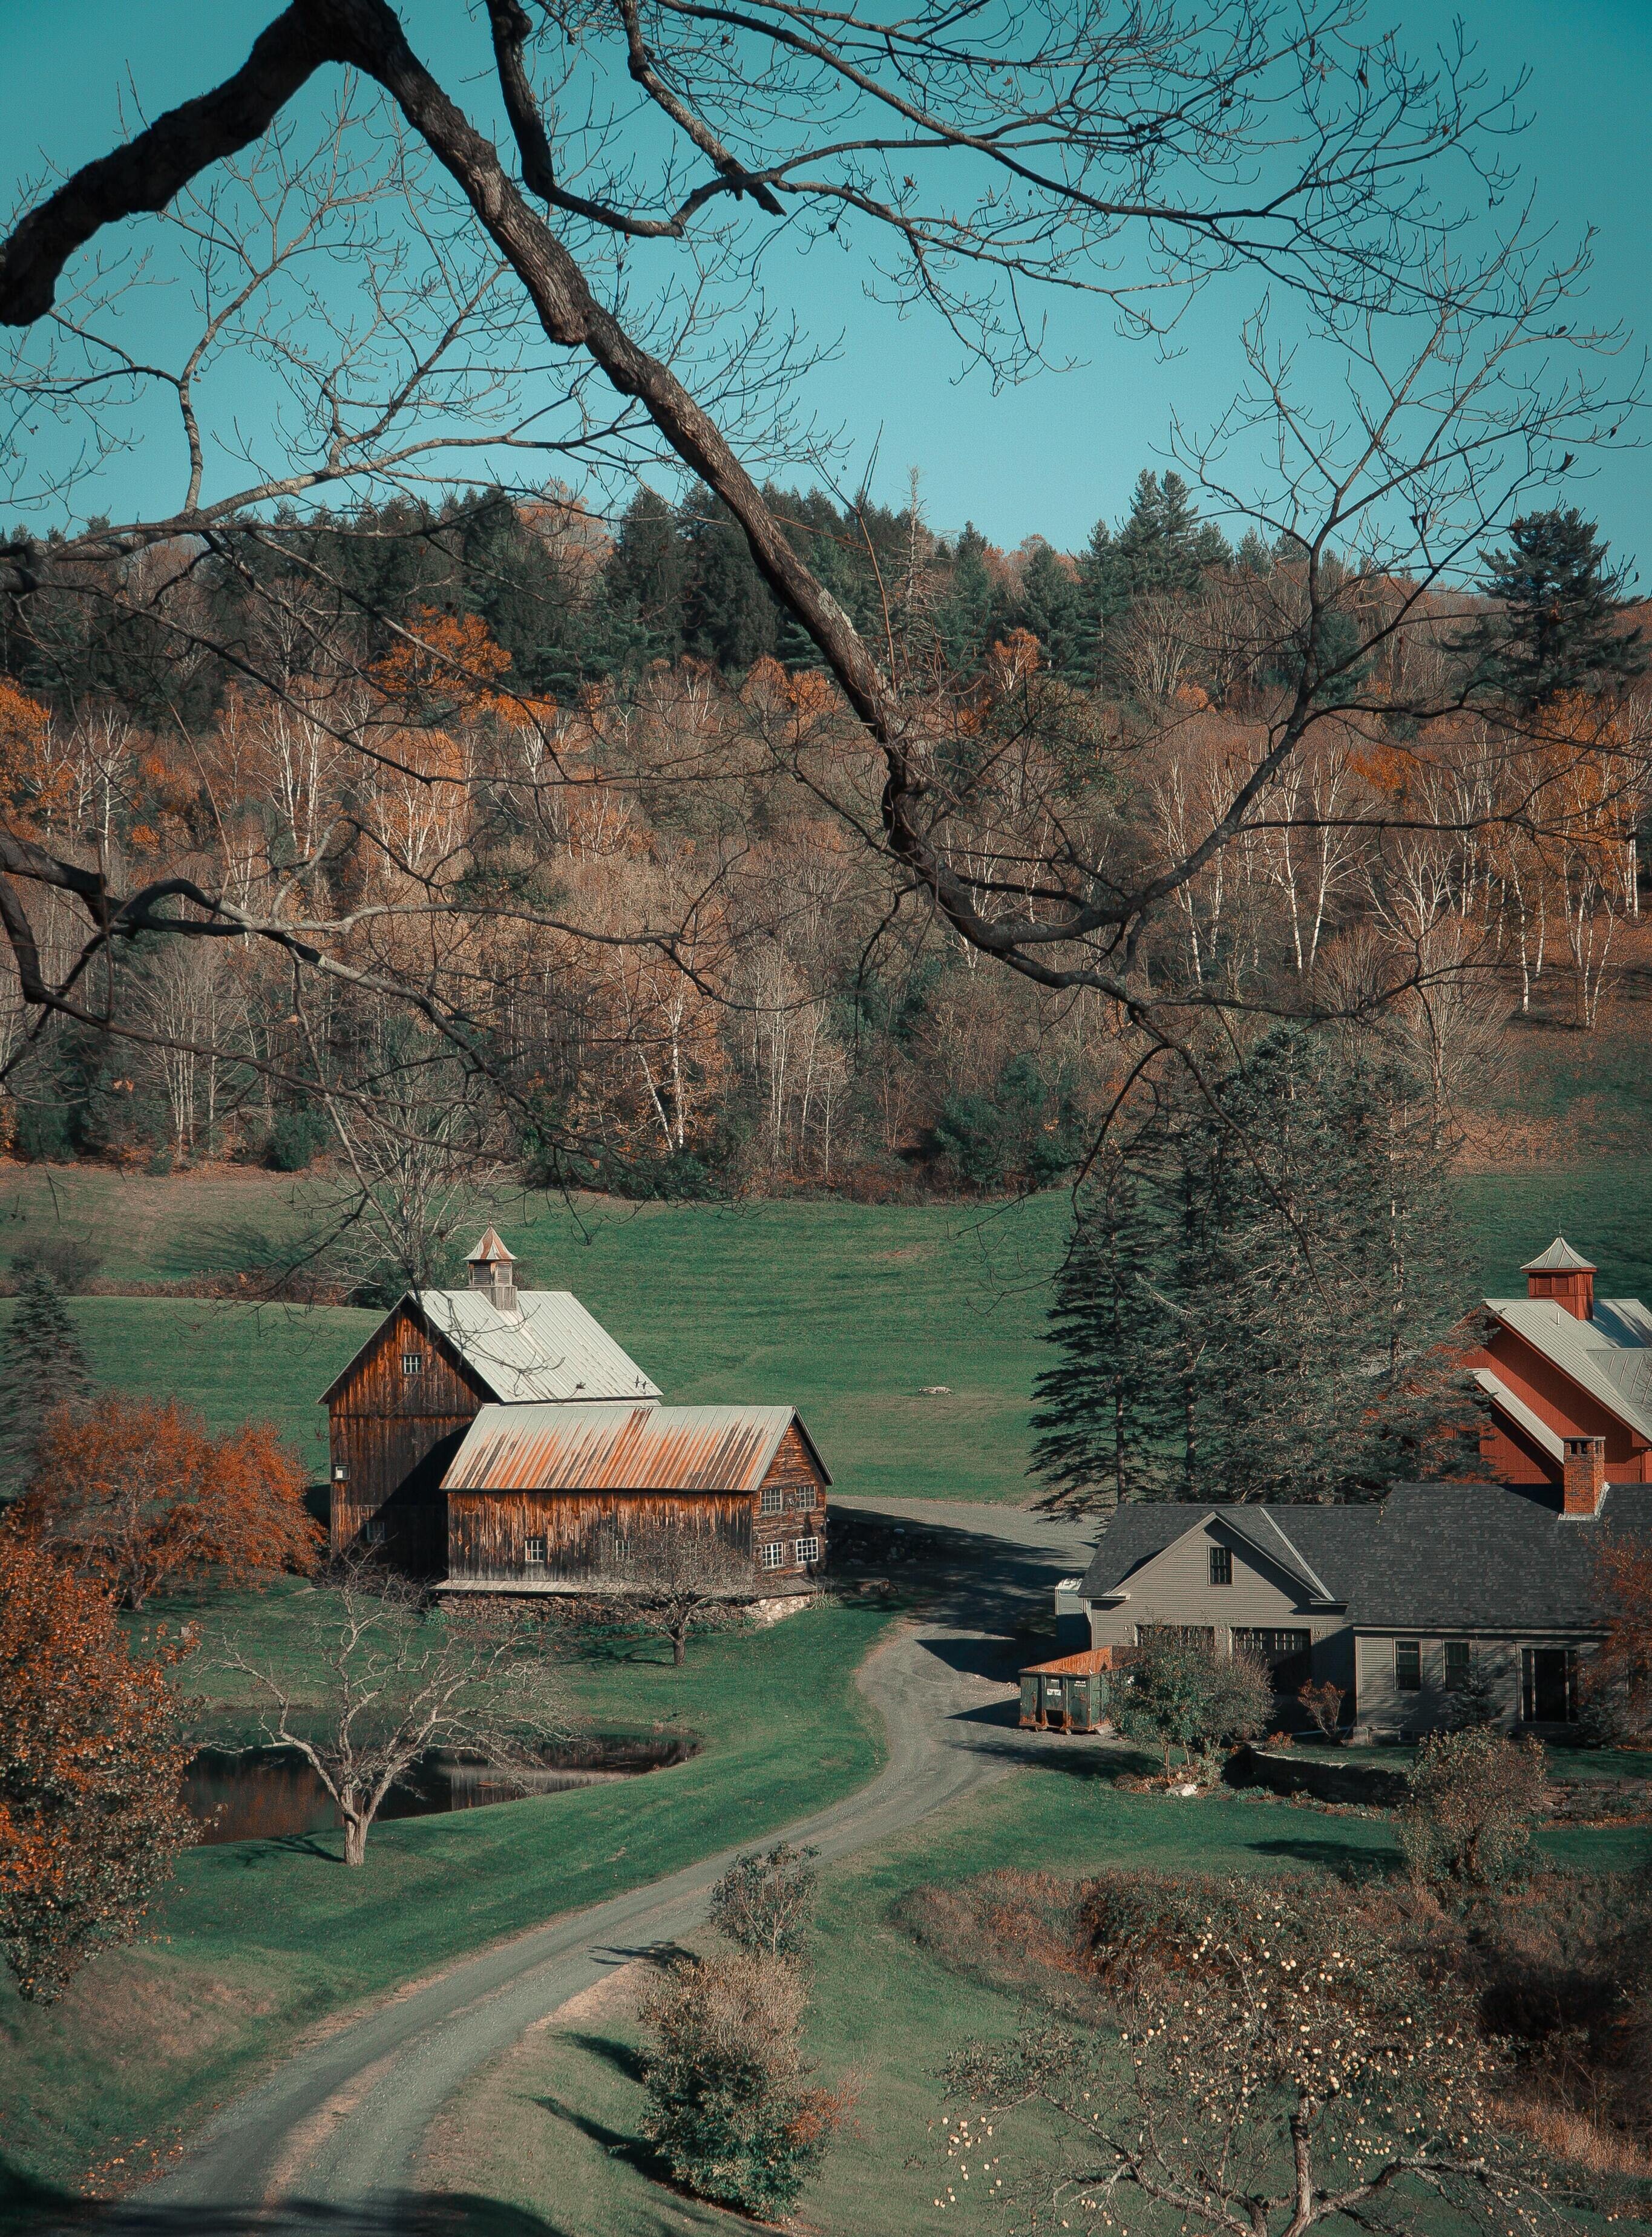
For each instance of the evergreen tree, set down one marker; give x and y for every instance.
(727, 615)
(647, 576)
(963, 620)
(42, 1366)
(1100, 1425)
(1262, 1306)
(1555, 629)
(1253, 556)
(1051, 607)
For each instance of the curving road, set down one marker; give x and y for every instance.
(331, 2138)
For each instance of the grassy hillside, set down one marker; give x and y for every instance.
(850, 1310)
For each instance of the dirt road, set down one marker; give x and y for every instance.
(330, 2140)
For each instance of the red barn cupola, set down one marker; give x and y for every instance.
(1563, 1274)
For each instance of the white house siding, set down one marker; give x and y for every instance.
(1175, 1588)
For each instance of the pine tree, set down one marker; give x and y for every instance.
(964, 616)
(42, 1366)
(728, 615)
(1051, 609)
(646, 574)
(1557, 628)
(1100, 1425)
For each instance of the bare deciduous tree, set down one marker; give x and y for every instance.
(382, 1680)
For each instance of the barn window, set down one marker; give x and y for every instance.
(774, 1499)
(1408, 1666)
(773, 1555)
(372, 1532)
(1221, 1566)
(807, 1550)
(1456, 1663)
(412, 1363)
(536, 1553)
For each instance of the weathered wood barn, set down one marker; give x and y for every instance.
(496, 1439)
(556, 1498)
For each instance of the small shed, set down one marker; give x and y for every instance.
(1070, 1695)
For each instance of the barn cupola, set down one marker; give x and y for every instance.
(1561, 1273)
(494, 1270)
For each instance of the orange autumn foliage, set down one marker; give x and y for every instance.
(447, 661)
(29, 780)
(92, 1750)
(137, 1497)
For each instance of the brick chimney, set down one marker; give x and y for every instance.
(1583, 1483)
(1563, 1274)
(492, 1269)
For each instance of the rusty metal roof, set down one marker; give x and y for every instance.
(622, 1447)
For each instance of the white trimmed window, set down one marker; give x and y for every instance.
(412, 1363)
(807, 1550)
(372, 1532)
(774, 1499)
(773, 1555)
(534, 1553)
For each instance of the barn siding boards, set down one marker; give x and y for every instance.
(488, 1530)
(394, 1435)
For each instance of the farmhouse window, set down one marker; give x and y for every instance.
(534, 1552)
(807, 1550)
(1456, 1663)
(1272, 1645)
(1221, 1564)
(773, 1555)
(412, 1363)
(1408, 1666)
(774, 1499)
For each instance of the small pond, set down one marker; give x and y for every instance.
(265, 1794)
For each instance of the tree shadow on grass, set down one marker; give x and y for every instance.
(624, 2058)
(1334, 1856)
(634, 2151)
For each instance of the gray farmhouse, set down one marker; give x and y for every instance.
(1394, 1602)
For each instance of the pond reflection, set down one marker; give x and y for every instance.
(264, 1794)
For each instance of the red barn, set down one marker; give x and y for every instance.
(1564, 1368)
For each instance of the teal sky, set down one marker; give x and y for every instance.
(1047, 456)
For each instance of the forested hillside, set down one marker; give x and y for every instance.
(590, 781)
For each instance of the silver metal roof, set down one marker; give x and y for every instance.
(643, 1448)
(1559, 1258)
(1605, 1357)
(545, 1348)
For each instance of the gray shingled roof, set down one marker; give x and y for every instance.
(1430, 1557)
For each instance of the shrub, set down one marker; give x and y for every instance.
(1472, 1795)
(43, 1135)
(730, 2108)
(70, 1262)
(763, 1903)
(296, 1137)
(1476, 1703)
(1323, 1706)
(1179, 1692)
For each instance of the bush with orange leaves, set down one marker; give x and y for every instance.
(138, 1497)
(92, 1750)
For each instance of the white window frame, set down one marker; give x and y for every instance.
(772, 1553)
(808, 1551)
(535, 1559)
(372, 1530)
(773, 1501)
(412, 1363)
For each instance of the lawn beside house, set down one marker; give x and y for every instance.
(552, 2129)
(263, 1939)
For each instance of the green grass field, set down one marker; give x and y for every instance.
(847, 1310)
(260, 1939)
(552, 2130)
